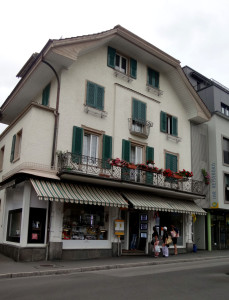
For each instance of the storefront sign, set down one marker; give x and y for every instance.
(119, 227)
(214, 202)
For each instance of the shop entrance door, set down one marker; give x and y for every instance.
(133, 230)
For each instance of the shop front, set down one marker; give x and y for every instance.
(48, 219)
(219, 229)
(147, 210)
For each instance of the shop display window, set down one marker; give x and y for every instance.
(14, 225)
(36, 230)
(83, 222)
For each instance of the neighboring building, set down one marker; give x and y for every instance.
(213, 138)
(80, 102)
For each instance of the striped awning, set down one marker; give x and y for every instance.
(77, 193)
(146, 201)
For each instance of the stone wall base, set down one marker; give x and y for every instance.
(22, 253)
(55, 250)
(77, 254)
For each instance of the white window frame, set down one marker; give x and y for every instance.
(119, 67)
(93, 159)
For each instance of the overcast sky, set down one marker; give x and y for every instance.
(194, 32)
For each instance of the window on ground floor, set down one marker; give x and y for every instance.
(84, 222)
(14, 225)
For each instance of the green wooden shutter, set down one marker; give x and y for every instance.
(111, 57)
(142, 114)
(171, 162)
(13, 148)
(149, 156)
(139, 111)
(45, 95)
(126, 150)
(149, 153)
(99, 97)
(156, 79)
(174, 126)
(125, 172)
(107, 151)
(149, 76)
(91, 93)
(153, 78)
(163, 121)
(133, 68)
(77, 144)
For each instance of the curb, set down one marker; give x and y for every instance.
(103, 267)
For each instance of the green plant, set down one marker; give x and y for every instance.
(206, 176)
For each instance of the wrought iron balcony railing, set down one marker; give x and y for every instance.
(80, 164)
(141, 129)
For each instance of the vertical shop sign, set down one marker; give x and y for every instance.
(214, 202)
(119, 227)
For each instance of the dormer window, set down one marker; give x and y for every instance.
(122, 64)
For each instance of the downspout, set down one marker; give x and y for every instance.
(54, 145)
(209, 231)
(56, 114)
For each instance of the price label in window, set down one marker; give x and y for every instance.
(119, 227)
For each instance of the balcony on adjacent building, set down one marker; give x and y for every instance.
(71, 165)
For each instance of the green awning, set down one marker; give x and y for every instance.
(77, 193)
(146, 201)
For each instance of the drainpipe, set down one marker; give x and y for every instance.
(56, 114)
(54, 145)
(209, 231)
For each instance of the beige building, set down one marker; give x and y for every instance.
(80, 103)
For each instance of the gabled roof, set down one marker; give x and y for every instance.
(62, 53)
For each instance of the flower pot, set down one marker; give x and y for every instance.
(130, 166)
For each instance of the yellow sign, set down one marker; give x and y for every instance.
(119, 227)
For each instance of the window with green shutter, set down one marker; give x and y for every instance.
(168, 124)
(95, 95)
(121, 63)
(13, 148)
(45, 95)
(153, 78)
(107, 151)
(171, 162)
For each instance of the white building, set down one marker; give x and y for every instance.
(80, 102)
(211, 152)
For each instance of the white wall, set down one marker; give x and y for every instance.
(118, 105)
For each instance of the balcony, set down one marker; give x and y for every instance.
(141, 129)
(70, 165)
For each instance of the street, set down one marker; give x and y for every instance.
(185, 280)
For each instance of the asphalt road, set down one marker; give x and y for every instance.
(200, 280)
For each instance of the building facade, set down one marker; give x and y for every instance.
(215, 159)
(93, 123)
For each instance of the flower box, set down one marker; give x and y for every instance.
(131, 166)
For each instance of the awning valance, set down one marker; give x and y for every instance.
(77, 193)
(146, 201)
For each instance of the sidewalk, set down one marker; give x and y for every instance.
(11, 269)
